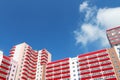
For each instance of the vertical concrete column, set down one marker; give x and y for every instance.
(43, 71)
(115, 62)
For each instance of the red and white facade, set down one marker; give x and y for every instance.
(12, 71)
(113, 35)
(58, 70)
(4, 66)
(24, 63)
(43, 58)
(96, 65)
(29, 62)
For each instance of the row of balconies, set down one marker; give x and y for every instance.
(106, 72)
(26, 77)
(5, 63)
(57, 74)
(31, 52)
(2, 77)
(42, 63)
(5, 58)
(58, 68)
(110, 77)
(2, 72)
(4, 66)
(92, 66)
(30, 55)
(44, 53)
(93, 59)
(93, 56)
(30, 68)
(44, 56)
(58, 64)
(30, 62)
(29, 73)
(30, 59)
(62, 76)
(102, 63)
(44, 59)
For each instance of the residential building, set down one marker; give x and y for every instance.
(25, 63)
(30, 63)
(12, 71)
(59, 69)
(97, 65)
(4, 66)
(113, 35)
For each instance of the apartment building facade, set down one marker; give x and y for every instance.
(4, 66)
(97, 65)
(113, 36)
(24, 63)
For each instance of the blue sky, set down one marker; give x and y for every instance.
(60, 26)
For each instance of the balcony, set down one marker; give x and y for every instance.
(64, 63)
(66, 76)
(94, 70)
(49, 67)
(82, 59)
(84, 67)
(57, 65)
(49, 75)
(83, 63)
(110, 77)
(49, 71)
(66, 72)
(58, 69)
(96, 75)
(65, 68)
(109, 67)
(84, 77)
(107, 74)
(84, 73)
(104, 58)
(94, 65)
(92, 57)
(103, 54)
(105, 63)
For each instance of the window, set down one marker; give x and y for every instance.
(13, 70)
(73, 70)
(118, 71)
(74, 75)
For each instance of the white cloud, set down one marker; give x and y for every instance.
(95, 24)
(109, 17)
(83, 6)
(89, 12)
